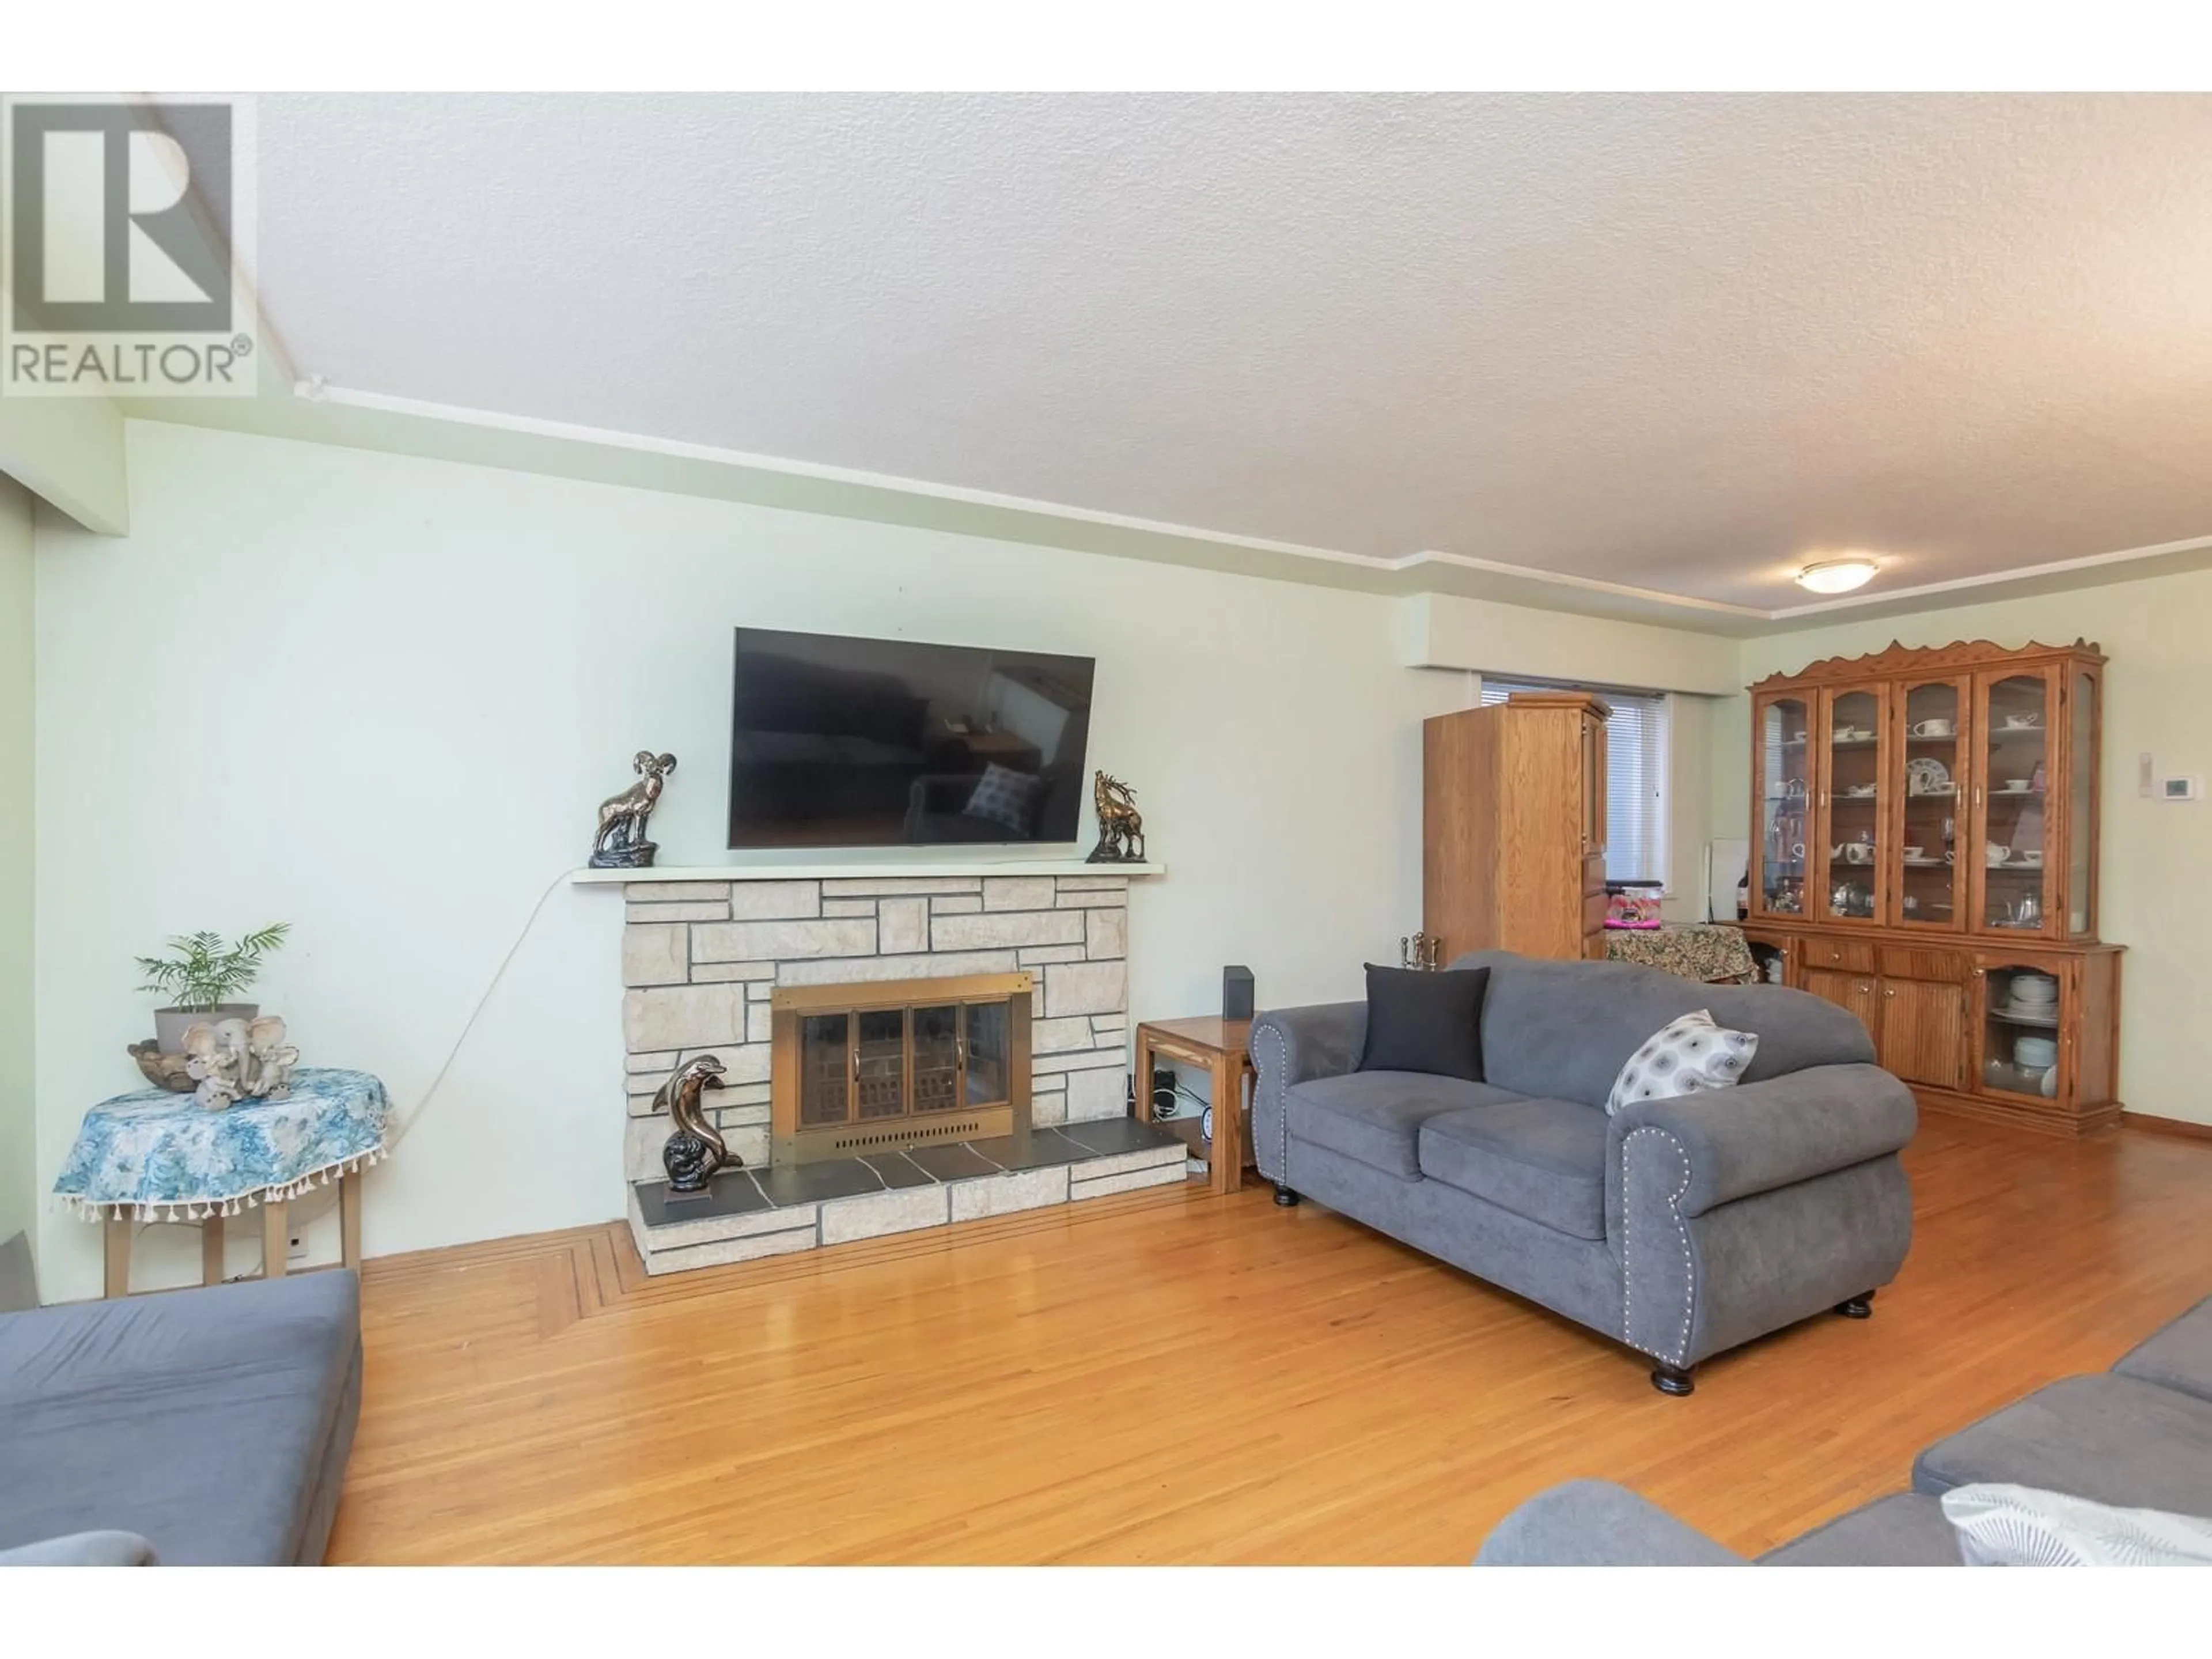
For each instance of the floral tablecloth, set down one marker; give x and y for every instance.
(1712, 952)
(154, 1156)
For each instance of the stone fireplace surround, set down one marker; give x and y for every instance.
(701, 953)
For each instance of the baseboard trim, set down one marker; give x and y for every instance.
(2176, 1128)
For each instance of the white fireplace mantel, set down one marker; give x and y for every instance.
(871, 870)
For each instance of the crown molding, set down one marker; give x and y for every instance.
(315, 412)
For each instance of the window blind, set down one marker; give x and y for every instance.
(1635, 776)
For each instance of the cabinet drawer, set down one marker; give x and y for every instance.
(1911, 962)
(1595, 905)
(1848, 955)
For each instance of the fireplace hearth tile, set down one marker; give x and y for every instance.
(1105, 1135)
(1039, 1149)
(897, 1170)
(731, 1193)
(787, 1184)
(955, 1160)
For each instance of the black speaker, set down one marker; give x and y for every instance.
(1235, 992)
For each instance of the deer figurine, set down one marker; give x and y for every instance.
(1120, 826)
(621, 844)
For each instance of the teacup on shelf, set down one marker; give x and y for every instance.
(1997, 854)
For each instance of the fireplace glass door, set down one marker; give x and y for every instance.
(825, 1069)
(936, 1048)
(951, 1063)
(879, 1064)
(988, 1072)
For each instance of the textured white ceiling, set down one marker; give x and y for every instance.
(1680, 343)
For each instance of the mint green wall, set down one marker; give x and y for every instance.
(18, 1159)
(70, 452)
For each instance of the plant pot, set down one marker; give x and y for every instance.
(170, 1025)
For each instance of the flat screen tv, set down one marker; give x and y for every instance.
(842, 742)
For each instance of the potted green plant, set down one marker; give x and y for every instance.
(200, 975)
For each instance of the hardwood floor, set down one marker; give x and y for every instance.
(1176, 1377)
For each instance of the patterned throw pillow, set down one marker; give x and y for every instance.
(1005, 797)
(1684, 1056)
(2000, 1526)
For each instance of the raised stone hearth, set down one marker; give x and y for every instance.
(774, 1212)
(701, 958)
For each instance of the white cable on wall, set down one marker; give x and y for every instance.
(305, 1212)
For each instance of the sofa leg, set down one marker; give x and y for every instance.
(1672, 1379)
(1859, 1307)
(1284, 1196)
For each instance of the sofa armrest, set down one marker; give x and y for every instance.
(1594, 1523)
(1759, 1136)
(1289, 1045)
(1321, 1040)
(82, 1549)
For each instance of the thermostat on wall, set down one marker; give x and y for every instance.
(2190, 788)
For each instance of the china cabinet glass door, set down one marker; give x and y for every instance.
(1783, 727)
(2022, 1046)
(2082, 727)
(2014, 715)
(1848, 852)
(1926, 884)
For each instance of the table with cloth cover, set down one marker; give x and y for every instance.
(1712, 952)
(155, 1156)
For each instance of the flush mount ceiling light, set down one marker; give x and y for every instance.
(1838, 575)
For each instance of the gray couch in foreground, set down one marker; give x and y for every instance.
(207, 1427)
(2139, 1436)
(1678, 1227)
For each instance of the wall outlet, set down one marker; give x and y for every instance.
(295, 1250)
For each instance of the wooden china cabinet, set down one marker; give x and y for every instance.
(1923, 851)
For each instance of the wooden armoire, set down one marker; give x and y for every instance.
(1513, 827)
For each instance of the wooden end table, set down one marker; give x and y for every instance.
(1219, 1046)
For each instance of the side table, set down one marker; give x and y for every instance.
(155, 1156)
(1218, 1046)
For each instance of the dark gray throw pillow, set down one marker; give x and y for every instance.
(1425, 1022)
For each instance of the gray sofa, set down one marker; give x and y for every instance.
(2139, 1436)
(206, 1427)
(1678, 1227)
